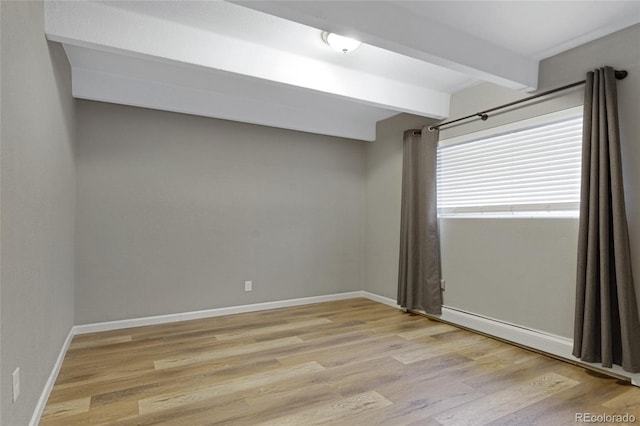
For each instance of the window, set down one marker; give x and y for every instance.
(529, 168)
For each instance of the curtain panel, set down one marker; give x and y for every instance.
(607, 329)
(419, 263)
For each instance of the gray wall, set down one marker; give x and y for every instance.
(37, 201)
(517, 270)
(175, 212)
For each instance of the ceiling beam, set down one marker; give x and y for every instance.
(389, 26)
(107, 77)
(111, 29)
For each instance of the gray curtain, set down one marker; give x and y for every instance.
(419, 269)
(607, 329)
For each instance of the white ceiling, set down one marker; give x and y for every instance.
(264, 62)
(537, 29)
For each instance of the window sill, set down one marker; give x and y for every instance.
(513, 215)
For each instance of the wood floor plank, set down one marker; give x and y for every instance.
(428, 330)
(67, 408)
(627, 402)
(257, 404)
(335, 413)
(419, 400)
(584, 397)
(351, 351)
(188, 396)
(498, 404)
(96, 416)
(225, 353)
(433, 348)
(98, 342)
(348, 362)
(260, 331)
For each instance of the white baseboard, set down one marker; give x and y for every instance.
(558, 346)
(380, 299)
(545, 342)
(48, 386)
(209, 313)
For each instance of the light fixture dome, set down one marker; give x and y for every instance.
(340, 43)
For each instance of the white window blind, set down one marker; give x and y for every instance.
(532, 170)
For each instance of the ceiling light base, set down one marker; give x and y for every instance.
(340, 43)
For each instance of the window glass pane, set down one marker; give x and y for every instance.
(532, 169)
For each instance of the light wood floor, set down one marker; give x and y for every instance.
(351, 362)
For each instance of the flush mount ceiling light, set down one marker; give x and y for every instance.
(340, 43)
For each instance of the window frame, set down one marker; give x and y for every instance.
(537, 210)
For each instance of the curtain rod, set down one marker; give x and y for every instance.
(620, 75)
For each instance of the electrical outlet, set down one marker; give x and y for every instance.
(442, 285)
(248, 286)
(16, 384)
